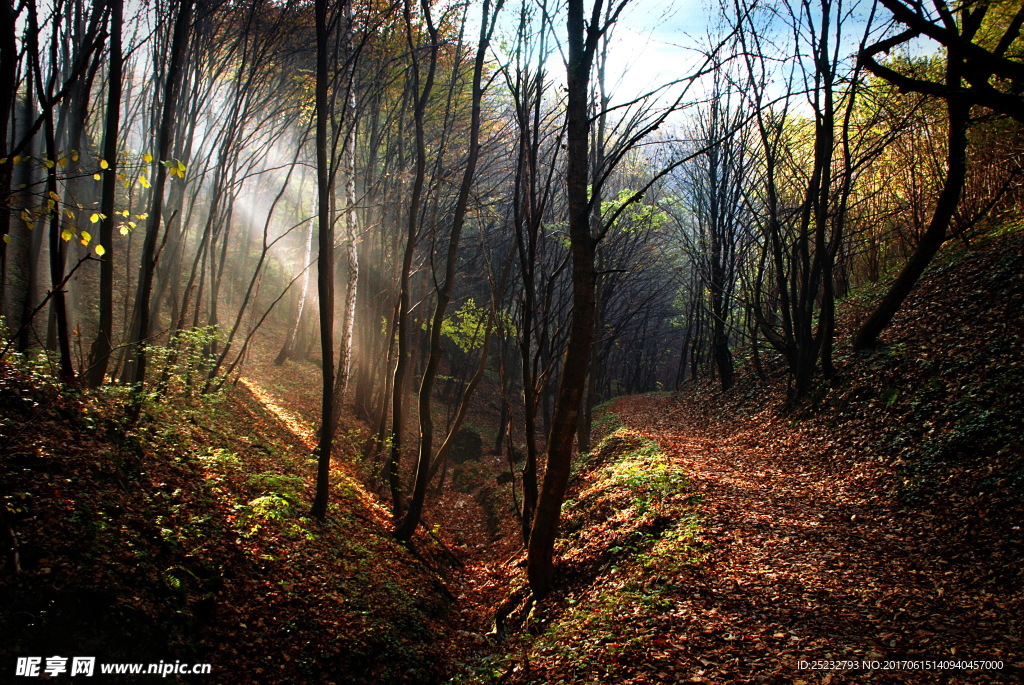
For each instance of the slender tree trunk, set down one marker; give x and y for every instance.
(540, 559)
(325, 266)
(348, 318)
(57, 257)
(405, 332)
(26, 176)
(289, 343)
(56, 246)
(179, 44)
(945, 208)
(8, 71)
(426, 443)
(99, 354)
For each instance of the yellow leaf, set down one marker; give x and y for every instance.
(3, 160)
(100, 250)
(86, 237)
(147, 157)
(74, 155)
(95, 217)
(54, 196)
(69, 214)
(62, 162)
(48, 163)
(143, 181)
(124, 213)
(104, 164)
(142, 217)
(123, 229)
(7, 237)
(96, 177)
(17, 159)
(26, 217)
(66, 235)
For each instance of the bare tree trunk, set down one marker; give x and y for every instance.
(325, 266)
(99, 354)
(56, 245)
(179, 43)
(582, 42)
(289, 343)
(8, 71)
(348, 318)
(57, 256)
(409, 523)
(405, 332)
(956, 175)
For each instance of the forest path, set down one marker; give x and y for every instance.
(808, 560)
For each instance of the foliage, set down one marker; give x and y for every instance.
(184, 365)
(637, 217)
(466, 327)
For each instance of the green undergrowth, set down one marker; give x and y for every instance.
(185, 536)
(627, 548)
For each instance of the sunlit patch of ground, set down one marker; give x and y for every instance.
(292, 421)
(345, 483)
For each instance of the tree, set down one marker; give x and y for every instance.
(716, 215)
(582, 45)
(807, 172)
(8, 80)
(99, 353)
(421, 88)
(532, 191)
(179, 44)
(968, 81)
(325, 266)
(409, 523)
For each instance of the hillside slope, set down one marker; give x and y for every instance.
(879, 521)
(184, 538)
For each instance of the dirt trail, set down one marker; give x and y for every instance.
(809, 561)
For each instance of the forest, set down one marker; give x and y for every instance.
(616, 341)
